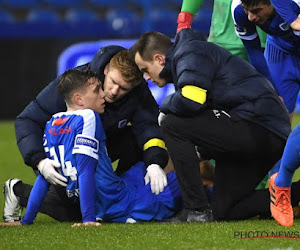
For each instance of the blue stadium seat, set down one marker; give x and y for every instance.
(202, 20)
(22, 4)
(148, 4)
(42, 16)
(123, 23)
(164, 20)
(6, 17)
(107, 3)
(57, 4)
(80, 15)
(176, 2)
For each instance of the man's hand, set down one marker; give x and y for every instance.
(157, 178)
(160, 118)
(184, 21)
(296, 24)
(47, 169)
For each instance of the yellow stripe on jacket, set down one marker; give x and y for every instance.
(194, 93)
(154, 142)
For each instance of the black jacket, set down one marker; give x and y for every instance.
(232, 84)
(138, 107)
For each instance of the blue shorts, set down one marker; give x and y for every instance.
(120, 198)
(285, 71)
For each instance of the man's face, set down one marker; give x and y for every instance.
(114, 85)
(260, 13)
(151, 69)
(93, 96)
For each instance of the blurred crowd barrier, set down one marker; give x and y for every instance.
(103, 18)
(36, 33)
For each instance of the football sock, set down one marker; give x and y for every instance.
(290, 160)
(191, 6)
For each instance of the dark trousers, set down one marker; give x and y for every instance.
(122, 146)
(56, 203)
(244, 153)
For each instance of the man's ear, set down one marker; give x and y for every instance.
(159, 58)
(106, 69)
(77, 100)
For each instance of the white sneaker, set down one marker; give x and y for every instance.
(12, 209)
(130, 221)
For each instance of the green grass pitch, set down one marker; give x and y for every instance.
(47, 233)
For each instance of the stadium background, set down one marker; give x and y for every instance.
(39, 39)
(34, 34)
(35, 46)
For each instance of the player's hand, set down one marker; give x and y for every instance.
(184, 21)
(47, 169)
(88, 223)
(160, 118)
(296, 24)
(157, 178)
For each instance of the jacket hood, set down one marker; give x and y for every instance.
(182, 37)
(186, 35)
(102, 58)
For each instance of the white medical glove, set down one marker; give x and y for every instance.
(157, 178)
(47, 169)
(160, 118)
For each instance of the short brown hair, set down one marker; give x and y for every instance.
(253, 3)
(127, 67)
(150, 43)
(73, 80)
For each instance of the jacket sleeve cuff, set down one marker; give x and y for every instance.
(35, 159)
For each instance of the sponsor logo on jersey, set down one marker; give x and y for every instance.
(61, 131)
(122, 123)
(88, 142)
(59, 121)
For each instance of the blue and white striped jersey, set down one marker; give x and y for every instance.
(69, 133)
(76, 140)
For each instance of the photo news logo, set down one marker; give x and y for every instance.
(264, 234)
